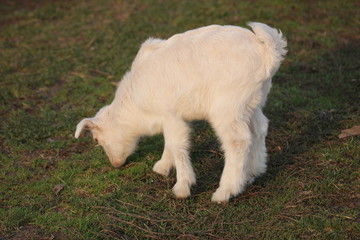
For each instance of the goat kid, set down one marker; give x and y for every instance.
(221, 74)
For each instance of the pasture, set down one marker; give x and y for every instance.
(60, 62)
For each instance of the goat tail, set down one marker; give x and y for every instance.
(275, 44)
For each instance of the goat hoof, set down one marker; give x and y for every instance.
(220, 196)
(181, 190)
(161, 168)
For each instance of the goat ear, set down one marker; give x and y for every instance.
(88, 123)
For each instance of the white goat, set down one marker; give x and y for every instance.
(221, 74)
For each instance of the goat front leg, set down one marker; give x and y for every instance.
(165, 164)
(176, 133)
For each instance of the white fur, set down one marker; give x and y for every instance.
(221, 74)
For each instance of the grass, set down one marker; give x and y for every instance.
(58, 60)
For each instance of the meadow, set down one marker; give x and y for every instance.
(60, 61)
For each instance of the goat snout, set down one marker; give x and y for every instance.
(116, 162)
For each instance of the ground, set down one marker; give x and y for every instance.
(60, 62)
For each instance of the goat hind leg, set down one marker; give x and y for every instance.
(236, 142)
(257, 155)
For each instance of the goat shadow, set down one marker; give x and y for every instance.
(295, 126)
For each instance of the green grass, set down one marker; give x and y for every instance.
(58, 60)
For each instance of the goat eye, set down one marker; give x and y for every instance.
(96, 140)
